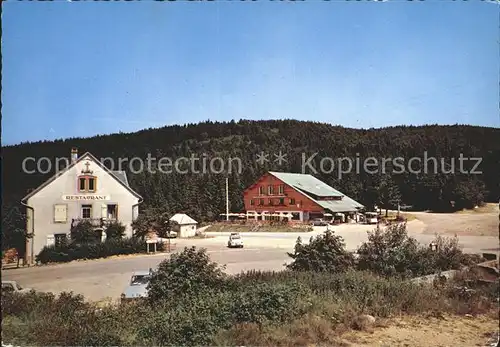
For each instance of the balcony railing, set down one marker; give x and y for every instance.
(95, 222)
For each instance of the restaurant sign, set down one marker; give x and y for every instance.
(86, 197)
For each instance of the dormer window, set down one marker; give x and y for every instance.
(87, 184)
(87, 181)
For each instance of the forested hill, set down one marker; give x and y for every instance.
(203, 196)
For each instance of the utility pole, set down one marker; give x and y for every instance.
(227, 198)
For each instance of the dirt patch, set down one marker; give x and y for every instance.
(466, 224)
(429, 331)
(393, 215)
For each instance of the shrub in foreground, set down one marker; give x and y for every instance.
(388, 252)
(391, 252)
(324, 253)
(196, 319)
(258, 308)
(190, 321)
(186, 273)
(43, 319)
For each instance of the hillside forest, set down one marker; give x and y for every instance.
(441, 187)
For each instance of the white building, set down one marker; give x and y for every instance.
(85, 190)
(186, 225)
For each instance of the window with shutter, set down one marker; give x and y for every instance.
(60, 213)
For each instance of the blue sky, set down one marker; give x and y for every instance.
(85, 68)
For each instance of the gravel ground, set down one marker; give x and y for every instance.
(449, 331)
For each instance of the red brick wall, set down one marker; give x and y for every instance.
(302, 203)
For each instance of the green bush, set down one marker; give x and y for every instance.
(196, 319)
(74, 251)
(185, 273)
(46, 320)
(115, 230)
(324, 253)
(391, 252)
(21, 305)
(190, 321)
(83, 232)
(270, 302)
(151, 219)
(359, 289)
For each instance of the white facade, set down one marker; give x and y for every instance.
(86, 190)
(187, 226)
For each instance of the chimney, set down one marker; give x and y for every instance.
(74, 155)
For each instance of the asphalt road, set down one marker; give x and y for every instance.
(107, 278)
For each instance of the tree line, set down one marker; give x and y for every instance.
(202, 195)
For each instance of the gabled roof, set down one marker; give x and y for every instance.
(119, 176)
(122, 176)
(312, 187)
(306, 183)
(183, 219)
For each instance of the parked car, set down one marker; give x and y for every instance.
(371, 217)
(13, 287)
(171, 234)
(138, 286)
(235, 240)
(319, 223)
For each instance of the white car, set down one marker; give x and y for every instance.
(235, 241)
(171, 234)
(371, 217)
(13, 287)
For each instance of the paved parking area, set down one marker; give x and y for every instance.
(355, 234)
(106, 278)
